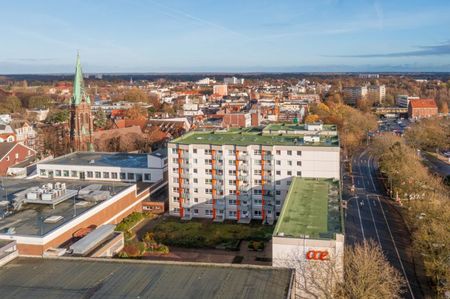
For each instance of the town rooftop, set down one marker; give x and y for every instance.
(311, 210)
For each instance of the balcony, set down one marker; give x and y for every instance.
(218, 176)
(242, 178)
(219, 218)
(243, 167)
(185, 155)
(218, 166)
(243, 157)
(268, 166)
(267, 158)
(185, 175)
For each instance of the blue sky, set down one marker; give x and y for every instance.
(233, 35)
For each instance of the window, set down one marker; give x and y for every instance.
(232, 213)
(90, 174)
(231, 152)
(176, 210)
(257, 152)
(208, 191)
(208, 212)
(257, 201)
(231, 162)
(278, 162)
(278, 192)
(278, 172)
(232, 172)
(257, 172)
(147, 177)
(288, 183)
(208, 161)
(289, 153)
(278, 202)
(257, 213)
(175, 180)
(299, 173)
(174, 151)
(43, 172)
(66, 173)
(195, 170)
(232, 201)
(257, 182)
(7, 158)
(106, 175)
(195, 199)
(208, 152)
(175, 199)
(232, 192)
(195, 180)
(57, 172)
(131, 176)
(278, 182)
(174, 160)
(174, 170)
(232, 182)
(195, 211)
(98, 174)
(299, 153)
(289, 163)
(299, 163)
(74, 173)
(195, 161)
(17, 155)
(208, 171)
(257, 192)
(278, 152)
(289, 173)
(194, 150)
(208, 181)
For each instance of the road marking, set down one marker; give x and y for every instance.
(360, 219)
(390, 233)
(373, 219)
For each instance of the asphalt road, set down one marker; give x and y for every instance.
(437, 166)
(371, 215)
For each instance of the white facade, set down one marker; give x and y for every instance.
(153, 172)
(211, 184)
(403, 100)
(233, 81)
(316, 261)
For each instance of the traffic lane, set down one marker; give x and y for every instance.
(353, 232)
(398, 235)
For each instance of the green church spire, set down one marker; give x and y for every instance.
(79, 95)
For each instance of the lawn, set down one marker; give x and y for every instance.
(207, 234)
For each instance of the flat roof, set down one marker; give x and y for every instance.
(311, 209)
(127, 160)
(251, 136)
(102, 278)
(29, 221)
(297, 127)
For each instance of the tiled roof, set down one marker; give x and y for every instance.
(423, 103)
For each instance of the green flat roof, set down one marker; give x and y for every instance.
(251, 136)
(311, 209)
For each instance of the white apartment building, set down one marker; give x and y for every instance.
(403, 100)
(233, 81)
(376, 93)
(353, 94)
(245, 173)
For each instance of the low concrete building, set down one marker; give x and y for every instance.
(105, 278)
(309, 234)
(125, 167)
(48, 224)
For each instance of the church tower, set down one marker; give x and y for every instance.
(81, 122)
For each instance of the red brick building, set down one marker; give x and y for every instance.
(13, 153)
(422, 108)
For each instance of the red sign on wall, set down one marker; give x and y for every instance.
(318, 255)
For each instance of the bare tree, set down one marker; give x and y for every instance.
(368, 274)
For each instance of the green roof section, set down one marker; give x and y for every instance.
(252, 136)
(311, 210)
(79, 94)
